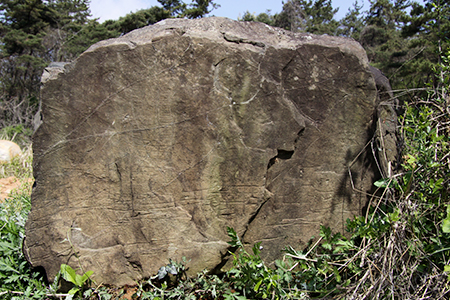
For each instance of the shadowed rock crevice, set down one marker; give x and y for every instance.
(282, 155)
(235, 39)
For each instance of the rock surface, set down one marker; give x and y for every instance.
(8, 150)
(153, 143)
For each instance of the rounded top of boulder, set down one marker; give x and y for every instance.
(255, 35)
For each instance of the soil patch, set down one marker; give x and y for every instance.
(7, 185)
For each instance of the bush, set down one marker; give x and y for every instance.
(16, 277)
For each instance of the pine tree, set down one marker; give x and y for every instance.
(199, 9)
(313, 16)
(382, 40)
(266, 18)
(23, 57)
(428, 34)
(353, 22)
(71, 18)
(173, 7)
(141, 18)
(34, 33)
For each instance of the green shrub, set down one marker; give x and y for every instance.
(16, 278)
(251, 278)
(79, 282)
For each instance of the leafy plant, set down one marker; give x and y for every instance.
(252, 279)
(173, 268)
(250, 275)
(15, 273)
(17, 279)
(79, 281)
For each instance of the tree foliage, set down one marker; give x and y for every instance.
(35, 33)
(23, 29)
(402, 38)
(313, 16)
(266, 18)
(353, 22)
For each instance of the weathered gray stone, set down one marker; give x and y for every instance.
(385, 140)
(152, 143)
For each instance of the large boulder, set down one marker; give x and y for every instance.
(153, 143)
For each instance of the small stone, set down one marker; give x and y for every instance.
(8, 150)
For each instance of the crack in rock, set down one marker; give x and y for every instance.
(235, 39)
(282, 155)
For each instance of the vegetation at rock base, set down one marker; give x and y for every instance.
(400, 248)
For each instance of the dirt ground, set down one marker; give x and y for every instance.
(7, 185)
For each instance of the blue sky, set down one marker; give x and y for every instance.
(113, 9)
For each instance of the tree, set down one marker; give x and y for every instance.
(70, 18)
(427, 31)
(139, 19)
(34, 33)
(173, 7)
(23, 56)
(405, 40)
(266, 18)
(353, 22)
(383, 20)
(387, 14)
(313, 16)
(382, 40)
(199, 8)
